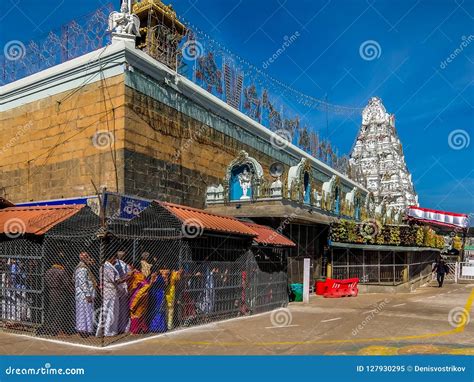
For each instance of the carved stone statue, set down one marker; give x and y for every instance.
(276, 188)
(124, 22)
(245, 180)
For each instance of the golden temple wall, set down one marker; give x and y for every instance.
(48, 149)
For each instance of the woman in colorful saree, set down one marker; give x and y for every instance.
(156, 301)
(139, 288)
(170, 297)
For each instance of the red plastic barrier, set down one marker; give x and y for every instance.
(341, 288)
(321, 287)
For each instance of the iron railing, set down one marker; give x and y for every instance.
(383, 274)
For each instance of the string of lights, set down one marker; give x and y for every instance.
(255, 73)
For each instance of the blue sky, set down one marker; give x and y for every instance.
(430, 100)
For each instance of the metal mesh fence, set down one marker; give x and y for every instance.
(381, 267)
(101, 284)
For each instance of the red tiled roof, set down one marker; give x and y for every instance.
(194, 217)
(269, 236)
(34, 220)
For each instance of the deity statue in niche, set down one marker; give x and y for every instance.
(306, 188)
(241, 182)
(245, 181)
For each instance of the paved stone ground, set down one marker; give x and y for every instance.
(408, 323)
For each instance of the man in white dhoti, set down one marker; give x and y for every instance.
(84, 285)
(124, 311)
(109, 311)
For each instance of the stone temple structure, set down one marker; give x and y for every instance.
(377, 160)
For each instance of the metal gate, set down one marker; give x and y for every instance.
(459, 271)
(466, 270)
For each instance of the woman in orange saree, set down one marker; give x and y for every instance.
(138, 286)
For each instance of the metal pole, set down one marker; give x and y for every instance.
(306, 267)
(347, 260)
(378, 254)
(393, 263)
(462, 252)
(102, 237)
(363, 265)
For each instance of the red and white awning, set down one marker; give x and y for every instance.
(440, 217)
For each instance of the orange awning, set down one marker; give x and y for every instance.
(268, 236)
(34, 220)
(194, 217)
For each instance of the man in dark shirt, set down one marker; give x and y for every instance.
(441, 269)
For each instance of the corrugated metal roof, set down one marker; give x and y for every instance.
(34, 220)
(268, 236)
(200, 219)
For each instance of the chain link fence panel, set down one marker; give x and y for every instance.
(105, 283)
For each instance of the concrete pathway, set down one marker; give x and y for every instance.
(429, 320)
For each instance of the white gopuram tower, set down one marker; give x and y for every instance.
(377, 159)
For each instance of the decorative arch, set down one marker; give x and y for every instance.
(244, 177)
(300, 180)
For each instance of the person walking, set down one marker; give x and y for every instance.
(441, 269)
